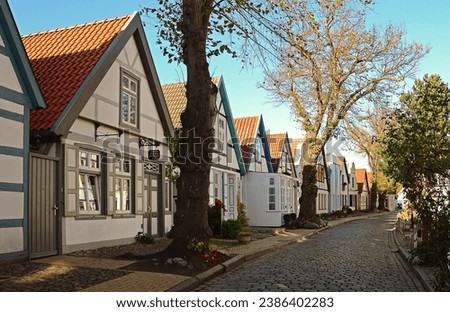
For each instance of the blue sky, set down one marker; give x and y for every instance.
(424, 21)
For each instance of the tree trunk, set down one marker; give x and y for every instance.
(309, 192)
(197, 133)
(381, 200)
(373, 197)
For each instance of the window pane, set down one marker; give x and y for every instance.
(271, 206)
(125, 82)
(93, 192)
(126, 194)
(133, 86)
(132, 110)
(272, 191)
(126, 166)
(272, 181)
(81, 190)
(95, 161)
(83, 159)
(125, 106)
(118, 187)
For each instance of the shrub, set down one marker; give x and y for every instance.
(242, 214)
(231, 229)
(144, 238)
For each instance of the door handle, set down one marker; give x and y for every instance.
(55, 210)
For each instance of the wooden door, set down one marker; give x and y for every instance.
(43, 207)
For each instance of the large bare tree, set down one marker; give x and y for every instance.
(190, 32)
(364, 131)
(330, 62)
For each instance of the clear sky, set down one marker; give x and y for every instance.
(424, 21)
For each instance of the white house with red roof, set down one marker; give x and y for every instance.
(102, 138)
(19, 94)
(363, 189)
(271, 184)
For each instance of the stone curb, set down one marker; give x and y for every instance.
(414, 268)
(239, 260)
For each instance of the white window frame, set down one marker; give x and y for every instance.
(89, 178)
(123, 200)
(131, 94)
(272, 195)
(221, 129)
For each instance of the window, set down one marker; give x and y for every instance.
(167, 196)
(216, 185)
(123, 192)
(272, 196)
(129, 100)
(320, 173)
(258, 150)
(89, 182)
(283, 194)
(221, 134)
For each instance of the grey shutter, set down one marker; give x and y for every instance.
(139, 190)
(71, 180)
(110, 183)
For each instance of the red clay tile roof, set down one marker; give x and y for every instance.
(63, 58)
(360, 175)
(175, 95)
(276, 143)
(176, 100)
(246, 129)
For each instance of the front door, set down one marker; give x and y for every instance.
(155, 215)
(43, 207)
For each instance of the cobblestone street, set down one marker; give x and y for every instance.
(357, 256)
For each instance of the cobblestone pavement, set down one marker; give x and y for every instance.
(357, 256)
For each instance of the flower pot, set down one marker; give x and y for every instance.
(243, 238)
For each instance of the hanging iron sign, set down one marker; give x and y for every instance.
(154, 154)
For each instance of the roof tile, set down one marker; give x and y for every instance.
(62, 59)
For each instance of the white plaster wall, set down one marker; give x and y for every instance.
(12, 169)
(105, 103)
(90, 231)
(11, 240)
(11, 205)
(8, 77)
(11, 106)
(12, 133)
(257, 185)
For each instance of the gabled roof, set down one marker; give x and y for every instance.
(276, 144)
(175, 95)
(361, 178)
(247, 129)
(14, 43)
(70, 63)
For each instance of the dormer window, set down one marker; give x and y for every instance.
(129, 99)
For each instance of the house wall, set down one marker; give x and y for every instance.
(363, 198)
(258, 198)
(225, 178)
(334, 173)
(101, 116)
(14, 116)
(352, 188)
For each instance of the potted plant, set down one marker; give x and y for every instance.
(245, 237)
